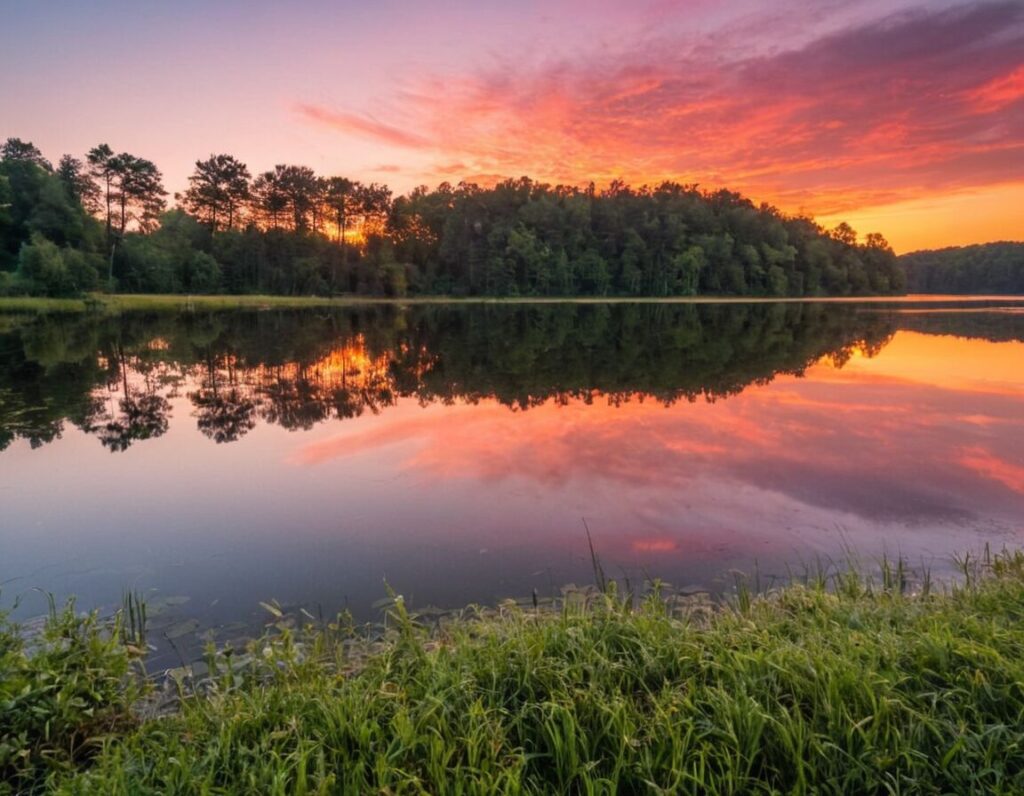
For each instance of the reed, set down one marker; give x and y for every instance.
(845, 683)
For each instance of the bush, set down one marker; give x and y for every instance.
(83, 268)
(62, 694)
(202, 273)
(48, 270)
(11, 285)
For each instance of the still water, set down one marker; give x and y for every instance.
(306, 456)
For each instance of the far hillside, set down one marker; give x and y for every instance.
(996, 268)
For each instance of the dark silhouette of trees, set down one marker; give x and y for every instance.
(269, 200)
(986, 268)
(138, 192)
(143, 411)
(129, 189)
(14, 150)
(218, 189)
(286, 191)
(525, 238)
(98, 160)
(290, 231)
(341, 201)
(78, 183)
(48, 241)
(225, 410)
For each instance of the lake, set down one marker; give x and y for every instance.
(213, 460)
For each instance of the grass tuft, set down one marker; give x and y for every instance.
(842, 684)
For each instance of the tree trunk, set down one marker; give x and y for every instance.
(344, 248)
(108, 207)
(110, 270)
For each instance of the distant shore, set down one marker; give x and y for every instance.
(126, 302)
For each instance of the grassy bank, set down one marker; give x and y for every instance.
(119, 302)
(838, 687)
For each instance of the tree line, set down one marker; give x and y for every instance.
(102, 222)
(984, 268)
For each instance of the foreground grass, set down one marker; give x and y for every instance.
(852, 688)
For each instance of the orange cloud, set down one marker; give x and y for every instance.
(881, 113)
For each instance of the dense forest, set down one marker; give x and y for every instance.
(103, 223)
(996, 268)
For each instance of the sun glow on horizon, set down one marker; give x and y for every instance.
(884, 115)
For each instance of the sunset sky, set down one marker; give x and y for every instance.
(900, 117)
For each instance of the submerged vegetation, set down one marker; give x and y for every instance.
(103, 222)
(838, 683)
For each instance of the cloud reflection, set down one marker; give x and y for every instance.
(859, 440)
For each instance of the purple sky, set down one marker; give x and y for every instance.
(905, 118)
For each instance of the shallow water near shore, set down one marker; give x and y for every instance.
(211, 460)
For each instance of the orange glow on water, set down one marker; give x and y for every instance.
(350, 365)
(654, 545)
(346, 454)
(952, 363)
(921, 396)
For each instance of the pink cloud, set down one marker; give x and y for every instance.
(818, 440)
(1000, 91)
(880, 112)
(987, 465)
(353, 123)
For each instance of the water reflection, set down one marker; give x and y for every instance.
(453, 450)
(114, 377)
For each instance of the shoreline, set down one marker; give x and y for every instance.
(841, 682)
(126, 302)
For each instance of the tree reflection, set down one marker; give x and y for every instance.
(224, 410)
(143, 411)
(142, 416)
(118, 377)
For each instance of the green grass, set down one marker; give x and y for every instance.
(120, 302)
(114, 303)
(849, 688)
(27, 304)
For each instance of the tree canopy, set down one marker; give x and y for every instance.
(984, 268)
(291, 231)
